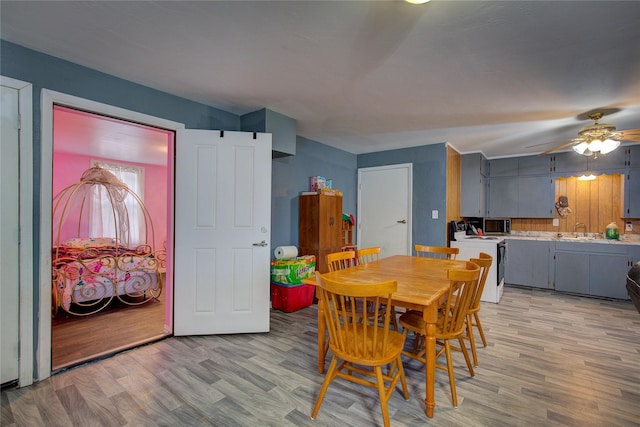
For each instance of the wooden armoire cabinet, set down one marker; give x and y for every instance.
(320, 227)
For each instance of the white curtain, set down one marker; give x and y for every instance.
(128, 220)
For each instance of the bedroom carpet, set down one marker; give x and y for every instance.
(552, 360)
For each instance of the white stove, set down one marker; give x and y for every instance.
(470, 247)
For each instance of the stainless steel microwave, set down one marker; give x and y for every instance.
(496, 226)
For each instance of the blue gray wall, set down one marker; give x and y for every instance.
(290, 174)
(429, 187)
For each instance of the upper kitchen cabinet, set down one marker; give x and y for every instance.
(613, 162)
(473, 185)
(503, 167)
(503, 197)
(521, 197)
(631, 194)
(633, 156)
(535, 165)
(569, 163)
(281, 127)
(536, 197)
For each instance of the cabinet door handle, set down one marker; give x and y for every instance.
(402, 221)
(263, 243)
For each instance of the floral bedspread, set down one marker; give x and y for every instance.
(94, 273)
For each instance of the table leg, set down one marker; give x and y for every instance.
(322, 342)
(430, 366)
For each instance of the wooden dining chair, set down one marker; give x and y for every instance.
(368, 256)
(451, 322)
(473, 319)
(361, 349)
(441, 252)
(341, 260)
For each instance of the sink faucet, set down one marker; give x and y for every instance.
(577, 225)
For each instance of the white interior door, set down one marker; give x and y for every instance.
(222, 232)
(384, 208)
(9, 235)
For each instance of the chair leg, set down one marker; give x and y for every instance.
(383, 396)
(403, 381)
(329, 376)
(472, 339)
(479, 326)
(463, 348)
(452, 378)
(394, 317)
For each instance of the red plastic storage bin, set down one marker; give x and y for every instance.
(291, 298)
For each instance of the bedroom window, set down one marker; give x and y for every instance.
(102, 211)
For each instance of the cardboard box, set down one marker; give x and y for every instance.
(292, 271)
(316, 182)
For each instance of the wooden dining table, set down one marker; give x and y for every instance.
(422, 285)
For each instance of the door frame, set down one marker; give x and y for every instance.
(47, 100)
(26, 267)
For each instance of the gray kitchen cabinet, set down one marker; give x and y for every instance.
(503, 197)
(569, 163)
(607, 275)
(633, 156)
(534, 165)
(572, 272)
(631, 194)
(536, 197)
(473, 185)
(521, 197)
(613, 162)
(634, 254)
(597, 269)
(528, 263)
(503, 167)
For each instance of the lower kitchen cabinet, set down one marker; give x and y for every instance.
(592, 269)
(608, 276)
(529, 263)
(572, 272)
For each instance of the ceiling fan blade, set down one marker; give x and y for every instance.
(627, 132)
(544, 143)
(560, 147)
(632, 138)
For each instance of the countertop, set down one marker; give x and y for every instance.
(625, 239)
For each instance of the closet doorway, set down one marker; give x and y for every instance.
(142, 157)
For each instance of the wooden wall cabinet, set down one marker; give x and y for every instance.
(320, 227)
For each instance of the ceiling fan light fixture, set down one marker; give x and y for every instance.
(595, 145)
(581, 148)
(608, 145)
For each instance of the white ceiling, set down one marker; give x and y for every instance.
(490, 76)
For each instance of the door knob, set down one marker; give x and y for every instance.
(263, 243)
(402, 221)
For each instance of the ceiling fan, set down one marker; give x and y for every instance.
(598, 138)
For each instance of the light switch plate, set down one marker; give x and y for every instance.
(434, 214)
(628, 226)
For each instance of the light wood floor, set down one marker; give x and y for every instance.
(552, 360)
(77, 339)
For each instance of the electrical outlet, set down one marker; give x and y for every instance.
(556, 222)
(628, 226)
(434, 214)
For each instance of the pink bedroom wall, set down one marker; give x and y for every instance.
(68, 168)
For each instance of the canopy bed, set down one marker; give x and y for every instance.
(91, 270)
